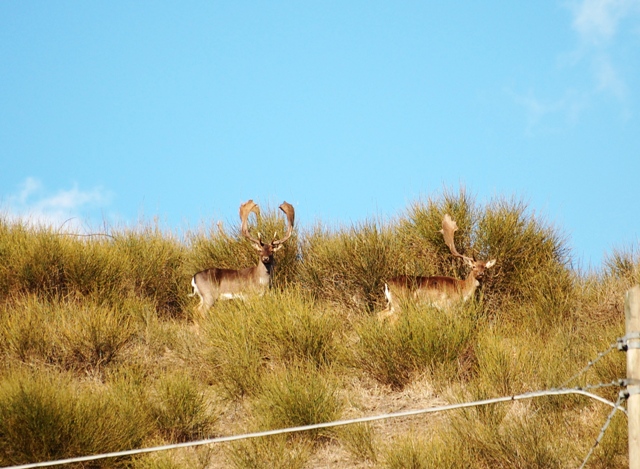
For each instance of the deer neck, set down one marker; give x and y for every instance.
(469, 285)
(263, 271)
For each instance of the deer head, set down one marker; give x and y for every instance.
(449, 227)
(266, 250)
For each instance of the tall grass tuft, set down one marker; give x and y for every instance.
(232, 348)
(298, 395)
(45, 417)
(348, 268)
(518, 441)
(274, 452)
(361, 441)
(532, 262)
(244, 338)
(424, 340)
(73, 335)
(53, 265)
(417, 452)
(425, 252)
(33, 260)
(294, 328)
(180, 408)
(153, 268)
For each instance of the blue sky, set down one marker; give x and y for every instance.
(113, 112)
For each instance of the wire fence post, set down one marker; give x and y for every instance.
(632, 322)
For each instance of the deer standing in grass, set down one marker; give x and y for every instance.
(442, 292)
(216, 283)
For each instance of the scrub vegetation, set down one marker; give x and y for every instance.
(100, 349)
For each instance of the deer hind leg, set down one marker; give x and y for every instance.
(207, 298)
(390, 311)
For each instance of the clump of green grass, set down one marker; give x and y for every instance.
(360, 440)
(24, 337)
(152, 266)
(232, 347)
(46, 417)
(33, 260)
(53, 265)
(623, 264)
(532, 263)
(180, 408)
(274, 452)
(423, 340)
(417, 452)
(348, 268)
(294, 328)
(199, 457)
(244, 338)
(73, 335)
(520, 440)
(296, 396)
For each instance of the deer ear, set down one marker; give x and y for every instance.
(491, 263)
(277, 247)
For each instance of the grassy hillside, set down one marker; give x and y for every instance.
(100, 349)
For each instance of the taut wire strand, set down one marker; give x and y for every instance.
(408, 413)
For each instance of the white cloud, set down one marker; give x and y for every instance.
(601, 28)
(597, 21)
(598, 24)
(66, 208)
(538, 110)
(608, 78)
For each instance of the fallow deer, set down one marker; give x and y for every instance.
(217, 283)
(440, 291)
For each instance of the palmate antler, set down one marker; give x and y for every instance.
(449, 227)
(250, 206)
(288, 210)
(245, 209)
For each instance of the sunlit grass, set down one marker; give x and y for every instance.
(99, 350)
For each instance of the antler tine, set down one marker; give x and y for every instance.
(449, 226)
(245, 209)
(289, 211)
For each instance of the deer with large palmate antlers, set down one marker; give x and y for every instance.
(442, 292)
(224, 284)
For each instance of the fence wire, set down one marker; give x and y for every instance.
(584, 391)
(599, 357)
(621, 397)
(338, 423)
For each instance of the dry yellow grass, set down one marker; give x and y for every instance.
(101, 320)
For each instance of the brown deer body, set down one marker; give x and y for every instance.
(439, 291)
(224, 284)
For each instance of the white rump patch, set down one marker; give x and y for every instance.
(231, 296)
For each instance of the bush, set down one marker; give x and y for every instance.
(424, 340)
(296, 396)
(348, 268)
(180, 409)
(73, 335)
(48, 417)
(274, 452)
(243, 338)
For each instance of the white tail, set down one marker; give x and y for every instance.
(216, 283)
(439, 291)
